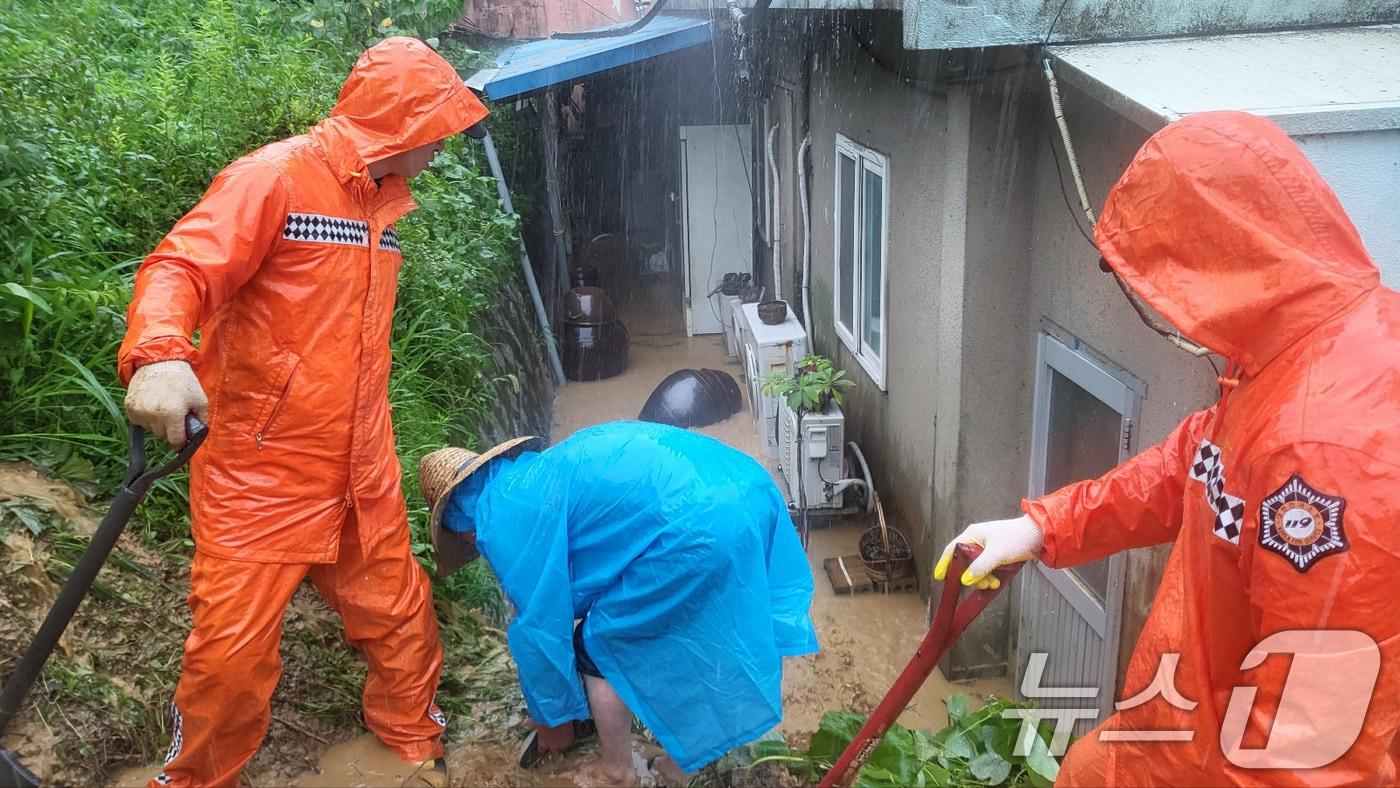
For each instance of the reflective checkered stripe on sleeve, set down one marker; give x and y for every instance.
(389, 241)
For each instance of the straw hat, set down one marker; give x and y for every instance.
(438, 474)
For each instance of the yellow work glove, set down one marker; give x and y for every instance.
(160, 395)
(1003, 542)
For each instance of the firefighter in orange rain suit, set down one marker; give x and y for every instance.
(1282, 500)
(288, 266)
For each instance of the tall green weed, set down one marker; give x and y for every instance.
(115, 118)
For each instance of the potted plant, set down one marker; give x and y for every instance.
(811, 387)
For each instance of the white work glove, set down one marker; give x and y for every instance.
(1003, 542)
(160, 395)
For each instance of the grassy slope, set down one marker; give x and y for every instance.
(117, 116)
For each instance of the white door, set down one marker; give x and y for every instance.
(716, 217)
(1082, 426)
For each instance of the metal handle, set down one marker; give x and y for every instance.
(134, 486)
(136, 474)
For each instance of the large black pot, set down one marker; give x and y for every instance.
(594, 339)
(693, 398)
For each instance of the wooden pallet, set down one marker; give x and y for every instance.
(848, 575)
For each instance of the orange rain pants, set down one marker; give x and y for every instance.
(288, 269)
(232, 665)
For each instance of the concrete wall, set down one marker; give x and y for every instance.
(851, 95)
(1070, 296)
(948, 24)
(1363, 168)
(945, 438)
(983, 255)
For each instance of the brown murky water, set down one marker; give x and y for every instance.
(866, 639)
(620, 398)
(363, 762)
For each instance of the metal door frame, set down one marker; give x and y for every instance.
(1124, 394)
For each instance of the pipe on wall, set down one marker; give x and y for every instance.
(529, 270)
(775, 206)
(806, 236)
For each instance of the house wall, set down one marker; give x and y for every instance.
(945, 24)
(982, 254)
(1363, 168)
(530, 19)
(945, 438)
(852, 95)
(1072, 297)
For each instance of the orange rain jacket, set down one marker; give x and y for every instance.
(1283, 500)
(288, 267)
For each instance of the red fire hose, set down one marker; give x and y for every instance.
(948, 622)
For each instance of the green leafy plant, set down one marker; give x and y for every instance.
(361, 23)
(977, 748)
(810, 387)
(117, 115)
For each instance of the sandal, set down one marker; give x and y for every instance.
(530, 753)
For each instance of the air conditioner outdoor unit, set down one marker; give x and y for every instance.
(819, 461)
(766, 349)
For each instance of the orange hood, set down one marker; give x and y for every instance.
(400, 95)
(1222, 225)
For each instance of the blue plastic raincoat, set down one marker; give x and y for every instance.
(679, 554)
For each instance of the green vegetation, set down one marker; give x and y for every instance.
(810, 387)
(116, 117)
(977, 748)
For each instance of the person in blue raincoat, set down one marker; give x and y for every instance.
(652, 571)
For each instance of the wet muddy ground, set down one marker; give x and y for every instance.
(866, 639)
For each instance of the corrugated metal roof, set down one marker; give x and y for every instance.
(1309, 82)
(538, 64)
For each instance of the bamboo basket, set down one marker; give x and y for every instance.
(884, 550)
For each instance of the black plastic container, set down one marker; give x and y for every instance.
(693, 398)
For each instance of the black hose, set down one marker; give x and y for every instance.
(614, 31)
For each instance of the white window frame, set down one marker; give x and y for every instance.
(867, 160)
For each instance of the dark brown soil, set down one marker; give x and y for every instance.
(102, 703)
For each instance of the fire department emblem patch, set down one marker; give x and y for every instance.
(1302, 524)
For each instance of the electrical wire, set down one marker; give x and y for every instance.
(610, 32)
(603, 13)
(1050, 137)
(739, 141)
(1218, 375)
(1054, 22)
(914, 82)
(714, 212)
(1060, 179)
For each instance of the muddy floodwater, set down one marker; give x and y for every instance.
(866, 639)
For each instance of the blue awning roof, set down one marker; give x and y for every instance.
(521, 69)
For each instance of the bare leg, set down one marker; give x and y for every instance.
(614, 721)
(670, 772)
